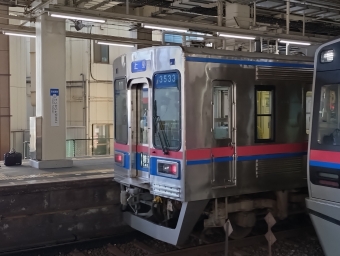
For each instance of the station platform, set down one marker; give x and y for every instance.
(53, 206)
(85, 168)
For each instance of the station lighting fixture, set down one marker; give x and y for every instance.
(10, 33)
(180, 30)
(115, 44)
(294, 42)
(75, 17)
(237, 36)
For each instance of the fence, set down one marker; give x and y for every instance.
(82, 147)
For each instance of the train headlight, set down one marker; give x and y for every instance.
(167, 168)
(327, 56)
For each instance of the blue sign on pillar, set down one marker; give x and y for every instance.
(54, 93)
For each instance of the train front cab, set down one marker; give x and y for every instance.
(148, 141)
(324, 149)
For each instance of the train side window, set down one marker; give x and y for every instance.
(221, 112)
(120, 111)
(264, 113)
(308, 110)
(329, 122)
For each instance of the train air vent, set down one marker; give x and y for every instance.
(284, 74)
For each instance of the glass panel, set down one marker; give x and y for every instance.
(329, 132)
(264, 114)
(264, 127)
(221, 112)
(144, 101)
(308, 110)
(264, 102)
(121, 120)
(104, 53)
(166, 102)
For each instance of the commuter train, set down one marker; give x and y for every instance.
(204, 135)
(323, 203)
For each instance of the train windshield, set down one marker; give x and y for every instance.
(121, 123)
(166, 111)
(328, 123)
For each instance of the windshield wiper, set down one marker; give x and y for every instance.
(160, 132)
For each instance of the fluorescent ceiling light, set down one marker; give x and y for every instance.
(18, 34)
(115, 44)
(294, 42)
(237, 36)
(182, 30)
(75, 17)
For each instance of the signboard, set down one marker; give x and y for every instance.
(54, 93)
(138, 66)
(144, 160)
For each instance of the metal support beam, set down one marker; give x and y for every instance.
(127, 7)
(188, 25)
(219, 13)
(304, 22)
(287, 16)
(254, 22)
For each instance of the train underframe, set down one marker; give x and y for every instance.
(173, 221)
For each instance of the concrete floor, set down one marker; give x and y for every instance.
(101, 167)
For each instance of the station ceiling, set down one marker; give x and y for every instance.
(322, 16)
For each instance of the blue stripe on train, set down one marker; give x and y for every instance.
(249, 62)
(245, 158)
(324, 164)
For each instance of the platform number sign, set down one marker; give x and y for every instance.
(54, 93)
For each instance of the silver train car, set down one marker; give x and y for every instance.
(204, 135)
(323, 202)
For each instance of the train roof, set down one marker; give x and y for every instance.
(239, 54)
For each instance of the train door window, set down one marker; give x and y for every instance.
(143, 115)
(120, 111)
(221, 111)
(264, 116)
(167, 111)
(329, 126)
(308, 110)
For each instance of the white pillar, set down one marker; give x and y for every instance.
(50, 77)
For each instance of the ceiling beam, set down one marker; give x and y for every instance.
(96, 6)
(81, 35)
(174, 23)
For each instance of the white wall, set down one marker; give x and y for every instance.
(99, 95)
(99, 84)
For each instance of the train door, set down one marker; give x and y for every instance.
(140, 127)
(223, 151)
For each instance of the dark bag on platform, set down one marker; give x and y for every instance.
(12, 158)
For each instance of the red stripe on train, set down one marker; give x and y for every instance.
(197, 154)
(121, 147)
(325, 156)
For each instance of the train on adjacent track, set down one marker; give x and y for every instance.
(205, 135)
(323, 203)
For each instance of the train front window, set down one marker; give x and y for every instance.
(328, 124)
(120, 110)
(166, 111)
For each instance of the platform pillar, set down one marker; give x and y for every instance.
(5, 114)
(48, 129)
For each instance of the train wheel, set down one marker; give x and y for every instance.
(239, 232)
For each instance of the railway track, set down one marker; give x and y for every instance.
(136, 244)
